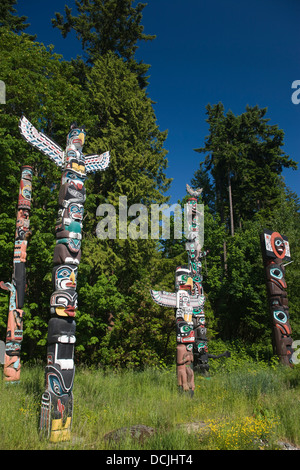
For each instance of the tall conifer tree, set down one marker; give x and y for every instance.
(244, 158)
(243, 154)
(105, 26)
(109, 100)
(9, 17)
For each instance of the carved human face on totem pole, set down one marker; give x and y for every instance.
(64, 277)
(183, 279)
(275, 247)
(75, 141)
(24, 201)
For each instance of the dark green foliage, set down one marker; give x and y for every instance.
(42, 87)
(244, 156)
(106, 93)
(105, 26)
(119, 117)
(243, 188)
(9, 18)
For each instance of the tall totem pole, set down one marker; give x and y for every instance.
(14, 333)
(57, 400)
(188, 301)
(275, 250)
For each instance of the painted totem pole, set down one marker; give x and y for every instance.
(57, 400)
(14, 333)
(275, 250)
(188, 301)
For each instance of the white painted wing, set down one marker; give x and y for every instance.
(166, 299)
(41, 142)
(193, 192)
(96, 162)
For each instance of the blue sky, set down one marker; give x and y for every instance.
(206, 51)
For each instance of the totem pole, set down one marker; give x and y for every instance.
(14, 333)
(188, 302)
(57, 400)
(275, 250)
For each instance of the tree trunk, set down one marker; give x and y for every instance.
(225, 256)
(230, 205)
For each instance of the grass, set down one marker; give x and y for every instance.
(251, 407)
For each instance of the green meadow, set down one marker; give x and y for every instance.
(248, 407)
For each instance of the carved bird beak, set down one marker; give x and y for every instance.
(72, 277)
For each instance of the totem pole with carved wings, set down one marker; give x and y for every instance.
(57, 400)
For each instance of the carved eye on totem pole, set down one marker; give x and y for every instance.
(75, 211)
(70, 217)
(275, 275)
(55, 384)
(25, 194)
(183, 279)
(75, 159)
(278, 245)
(280, 315)
(185, 332)
(64, 277)
(192, 202)
(73, 177)
(76, 135)
(69, 192)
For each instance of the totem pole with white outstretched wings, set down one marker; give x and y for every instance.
(51, 149)
(57, 400)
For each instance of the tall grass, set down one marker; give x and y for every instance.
(250, 407)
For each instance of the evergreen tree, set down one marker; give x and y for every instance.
(43, 88)
(105, 26)
(245, 155)
(119, 117)
(126, 126)
(9, 18)
(244, 160)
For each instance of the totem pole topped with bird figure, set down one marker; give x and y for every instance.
(57, 400)
(188, 301)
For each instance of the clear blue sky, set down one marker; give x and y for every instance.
(234, 51)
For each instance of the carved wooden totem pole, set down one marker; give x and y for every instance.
(14, 334)
(275, 250)
(188, 301)
(57, 400)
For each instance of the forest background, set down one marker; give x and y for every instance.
(240, 170)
